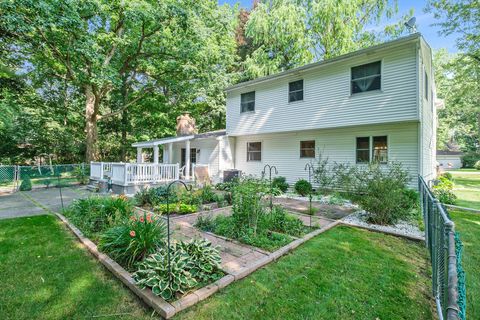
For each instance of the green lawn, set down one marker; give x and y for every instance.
(468, 225)
(345, 273)
(45, 274)
(467, 188)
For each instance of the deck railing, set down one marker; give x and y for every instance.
(134, 173)
(440, 240)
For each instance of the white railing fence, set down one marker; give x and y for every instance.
(132, 173)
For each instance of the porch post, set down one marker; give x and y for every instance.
(139, 155)
(187, 159)
(155, 154)
(170, 153)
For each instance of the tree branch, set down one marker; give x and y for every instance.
(125, 107)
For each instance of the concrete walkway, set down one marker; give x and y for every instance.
(38, 202)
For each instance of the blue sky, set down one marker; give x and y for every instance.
(424, 22)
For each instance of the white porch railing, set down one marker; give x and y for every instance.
(133, 173)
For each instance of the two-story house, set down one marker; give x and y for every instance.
(374, 104)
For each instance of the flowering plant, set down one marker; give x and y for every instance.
(134, 239)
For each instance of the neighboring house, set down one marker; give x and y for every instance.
(449, 159)
(374, 104)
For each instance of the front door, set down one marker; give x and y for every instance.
(193, 157)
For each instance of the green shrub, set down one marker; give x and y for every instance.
(154, 196)
(207, 195)
(280, 221)
(447, 175)
(134, 239)
(303, 187)
(94, 215)
(26, 184)
(205, 223)
(477, 165)
(443, 191)
(382, 193)
(79, 173)
(280, 183)
(469, 159)
(190, 263)
(178, 208)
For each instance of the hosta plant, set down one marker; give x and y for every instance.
(190, 263)
(134, 239)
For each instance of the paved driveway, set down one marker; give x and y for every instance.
(37, 202)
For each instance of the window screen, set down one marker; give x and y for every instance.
(254, 151)
(366, 77)
(363, 150)
(247, 101)
(380, 149)
(295, 91)
(307, 149)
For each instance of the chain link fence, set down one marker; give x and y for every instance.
(16, 178)
(440, 238)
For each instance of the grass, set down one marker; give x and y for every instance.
(468, 225)
(45, 274)
(467, 188)
(345, 273)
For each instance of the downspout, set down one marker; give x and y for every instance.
(419, 110)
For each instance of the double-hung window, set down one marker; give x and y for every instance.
(366, 77)
(372, 149)
(247, 102)
(254, 151)
(307, 149)
(295, 91)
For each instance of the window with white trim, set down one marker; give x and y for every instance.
(366, 77)
(247, 101)
(254, 151)
(295, 91)
(372, 149)
(307, 149)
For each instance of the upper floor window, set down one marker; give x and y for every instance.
(254, 151)
(295, 91)
(307, 149)
(247, 102)
(426, 85)
(366, 77)
(373, 149)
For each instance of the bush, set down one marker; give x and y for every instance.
(470, 159)
(282, 222)
(190, 262)
(303, 187)
(477, 165)
(443, 191)
(26, 184)
(207, 195)
(280, 183)
(96, 214)
(178, 208)
(205, 223)
(154, 196)
(382, 193)
(447, 175)
(134, 239)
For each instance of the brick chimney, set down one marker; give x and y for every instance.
(185, 125)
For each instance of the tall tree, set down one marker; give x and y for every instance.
(94, 45)
(290, 33)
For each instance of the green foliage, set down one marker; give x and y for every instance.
(26, 184)
(280, 221)
(381, 191)
(191, 262)
(470, 159)
(134, 239)
(95, 215)
(178, 208)
(443, 190)
(205, 223)
(447, 175)
(280, 183)
(303, 187)
(477, 165)
(154, 196)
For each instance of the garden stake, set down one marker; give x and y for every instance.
(188, 188)
(270, 180)
(310, 169)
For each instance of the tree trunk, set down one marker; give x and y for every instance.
(124, 125)
(478, 132)
(91, 108)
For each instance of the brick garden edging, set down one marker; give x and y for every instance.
(166, 309)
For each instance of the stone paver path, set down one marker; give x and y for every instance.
(39, 201)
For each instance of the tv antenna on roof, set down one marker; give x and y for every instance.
(410, 24)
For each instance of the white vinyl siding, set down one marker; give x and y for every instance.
(339, 145)
(328, 102)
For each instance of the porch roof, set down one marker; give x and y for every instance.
(157, 142)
